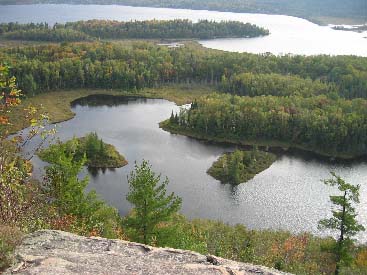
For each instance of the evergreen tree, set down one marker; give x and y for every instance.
(194, 105)
(102, 148)
(176, 119)
(172, 118)
(63, 183)
(92, 145)
(69, 197)
(236, 167)
(151, 204)
(343, 219)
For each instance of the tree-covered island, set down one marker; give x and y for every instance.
(240, 166)
(97, 153)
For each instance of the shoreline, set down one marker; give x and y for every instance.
(255, 165)
(322, 20)
(57, 104)
(63, 112)
(271, 145)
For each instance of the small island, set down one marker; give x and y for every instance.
(358, 28)
(97, 153)
(240, 166)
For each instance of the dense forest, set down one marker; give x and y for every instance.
(316, 103)
(152, 29)
(47, 35)
(334, 127)
(177, 28)
(141, 64)
(250, 84)
(308, 104)
(312, 9)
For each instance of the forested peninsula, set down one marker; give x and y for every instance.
(329, 127)
(315, 103)
(150, 29)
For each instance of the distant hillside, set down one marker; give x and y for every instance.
(325, 10)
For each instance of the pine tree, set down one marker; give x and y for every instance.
(172, 118)
(102, 149)
(151, 204)
(92, 145)
(236, 167)
(343, 219)
(177, 120)
(194, 105)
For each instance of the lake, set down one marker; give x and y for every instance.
(288, 34)
(289, 195)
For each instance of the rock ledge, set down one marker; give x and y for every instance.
(56, 252)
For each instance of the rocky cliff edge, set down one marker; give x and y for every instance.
(56, 252)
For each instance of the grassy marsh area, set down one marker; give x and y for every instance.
(57, 104)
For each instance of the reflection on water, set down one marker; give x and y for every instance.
(289, 195)
(94, 172)
(105, 100)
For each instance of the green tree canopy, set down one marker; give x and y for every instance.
(343, 219)
(151, 204)
(69, 197)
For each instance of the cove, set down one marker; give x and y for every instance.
(289, 195)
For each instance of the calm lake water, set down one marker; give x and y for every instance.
(289, 195)
(288, 34)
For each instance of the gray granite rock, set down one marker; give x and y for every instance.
(56, 252)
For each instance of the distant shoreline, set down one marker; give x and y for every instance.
(319, 20)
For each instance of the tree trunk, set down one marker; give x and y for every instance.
(145, 225)
(341, 237)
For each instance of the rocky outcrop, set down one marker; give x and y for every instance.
(55, 252)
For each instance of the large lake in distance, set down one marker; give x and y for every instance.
(288, 34)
